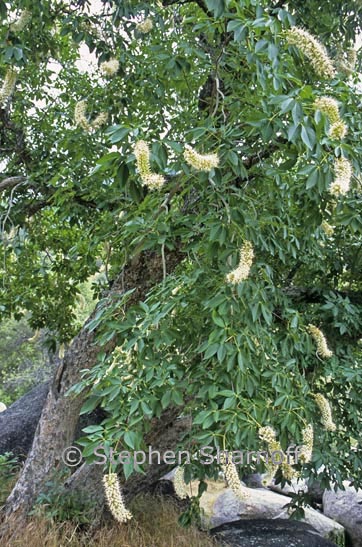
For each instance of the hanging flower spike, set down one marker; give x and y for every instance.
(114, 498)
(80, 115)
(305, 455)
(81, 119)
(268, 435)
(145, 26)
(198, 161)
(8, 86)
(232, 478)
(142, 152)
(21, 23)
(315, 52)
(338, 130)
(342, 177)
(329, 107)
(326, 412)
(319, 338)
(153, 181)
(179, 484)
(242, 271)
(327, 228)
(110, 68)
(100, 120)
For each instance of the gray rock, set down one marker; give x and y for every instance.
(255, 480)
(269, 533)
(220, 506)
(345, 506)
(18, 422)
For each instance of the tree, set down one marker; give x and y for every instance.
(211, 170)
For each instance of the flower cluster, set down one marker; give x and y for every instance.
(319, 338)
(329, 107)
(348, 66)
(342, 177)
(232, 477)
(268, 435)
(151, 180)
(114, 498)
(326, 413)
(338, 130)
(200, 162)
(8, 86)
(21, 23)
(145, 26)
(242, 271)
(81, 119)
(327, 228)
(315, 52)
(110, 68)
(305, 455)
(179, 484)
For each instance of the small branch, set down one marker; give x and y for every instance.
(316, 295)
(10, 182)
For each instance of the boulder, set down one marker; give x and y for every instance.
(345, 506)
(18, 422)
(220, 506)
(268, 533)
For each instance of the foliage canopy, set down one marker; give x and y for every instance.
(221, 77)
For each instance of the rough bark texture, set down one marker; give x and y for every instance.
(57, 425)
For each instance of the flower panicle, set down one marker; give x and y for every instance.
(326, 412)
(342, 177)
(21, 22)
(114, 498)
(201, 162)
(145, 26)
(315, 52)
(232, 478)
(321, 342)
(110, 68)
(179, 483)
(327, 228)
(329, 106)
(338, 130)
(8, 86)
(241, 272)
(153, 181)
(81, 120)
(305, 455)
(268, 435)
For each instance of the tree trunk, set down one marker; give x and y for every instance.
(59, 418)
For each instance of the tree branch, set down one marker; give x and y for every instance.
(10, 182)
(313, 295)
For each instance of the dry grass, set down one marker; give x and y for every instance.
(154, 525)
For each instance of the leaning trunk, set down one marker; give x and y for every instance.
(59, 418)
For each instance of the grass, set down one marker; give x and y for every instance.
(154, 525)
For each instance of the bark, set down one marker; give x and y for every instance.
(57, 425)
